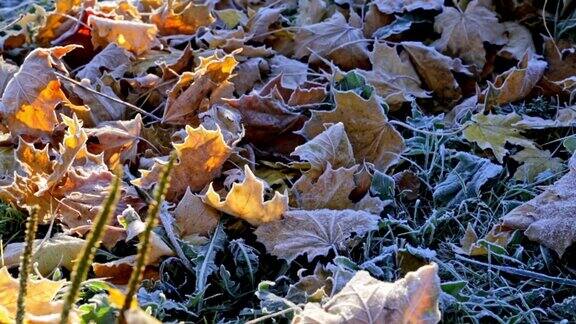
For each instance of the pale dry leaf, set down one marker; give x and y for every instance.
(60, 250)
(332, 190)
(494, 131)
(293, 72)
(364, 299)
(181, 18)
(260, 23)
(313, 232)
(393, 76)
(200, 159)
(134, 36)
(534, 162)
(334, 39)
(332, 146)
(246, 201)
(394, 6)
(463, 33)
(549, 217)
(310, 12)
(31, 96)
(470, 244)
(118, 140)
(7, 71)
(109, 58)
(193, 216)
(100, 108)
(436, 70)
(373, 139)
(519, 41)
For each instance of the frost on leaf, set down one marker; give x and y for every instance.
(181, 18)
(30, 98)
(549, 218)
(393, 6)
(393, 76)
(136, 37)
(246, 201)
(313, 232)
(332, 146)
(373, 139)
(464, 33)
(335, 39)
(200, 160)
(364, 299)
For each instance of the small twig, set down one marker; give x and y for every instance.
(12, 23)
(129, 105)
(399, 123)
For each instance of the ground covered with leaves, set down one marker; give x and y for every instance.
(335, 161)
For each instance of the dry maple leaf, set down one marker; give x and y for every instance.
(471, 246)
(534, 162)
(364, 299)
(181, 18)
(332, 190)
(436, 69)
(7, 71)
(58, 21)
(549, 217)
(332, 146)
(393, 76)
(134, 36)
(29, 100)
(494, 131)
(260, 23)
(464, 33)
(193, 216)
(193, 91)
(373, 139)
(313, 232)
(39, 305)
(335, 39)
(392, 6)
(200, 159)
(246, 201)
(293, 72)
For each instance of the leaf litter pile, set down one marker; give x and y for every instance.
(306, 161)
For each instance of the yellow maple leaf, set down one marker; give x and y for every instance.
(246, 201)
(183, 18)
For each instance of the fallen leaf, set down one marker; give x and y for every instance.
(335, 39)
(373, 139)
(393, 76)
(329, 147)
(494, 131)
(118, 140)
(200, 159)
(109, 58)
(548, 218)
(60, 250)
(534, 162)
(7, 72)
(31, 96)
(464, 33)
(436, 69)
(516, 83)
(519, 41)
(393, 6)
(364, 299)
(313, 232)
(471, 245)
(332, 190)
(208, 84)
(310, 12)
(134, 36)
(293, 72)
(246, 201)
(181, 18)
(193, 216)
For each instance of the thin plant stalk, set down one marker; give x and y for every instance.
(86, 256)
(26, 264)
(144, 246)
